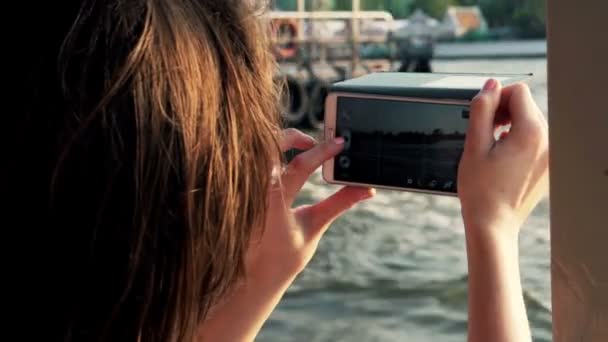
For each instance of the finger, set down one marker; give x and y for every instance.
(526, 121)
(517, 96)
(480, 133)
(514, 96)
(503, 115)
(319, 216)
(505, 97)
(304, 164)
(293, 138)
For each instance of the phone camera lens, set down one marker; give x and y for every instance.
(344, 162)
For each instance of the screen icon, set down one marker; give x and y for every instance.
(448, 185)
(345, 115)
(410, 181)
(344, 162)
(433, 183)
(347, 139)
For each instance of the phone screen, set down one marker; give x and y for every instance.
(400, 144)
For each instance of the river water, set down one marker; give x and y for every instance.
(394, 268)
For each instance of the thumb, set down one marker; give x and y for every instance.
(319, 216)
(480, 133)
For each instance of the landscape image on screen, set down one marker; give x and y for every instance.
(401, 144)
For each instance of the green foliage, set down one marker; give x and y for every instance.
(372, 5)
(398, 8)
(475, 35)
(319, 5)
(525, 17)
(342, 5)
(530, 19)
(434, 8)
(285, 5)
(498, 12)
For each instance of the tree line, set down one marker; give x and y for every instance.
(509, 18)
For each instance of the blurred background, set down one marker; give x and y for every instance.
(394, 268)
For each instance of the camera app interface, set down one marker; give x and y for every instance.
(400, 144)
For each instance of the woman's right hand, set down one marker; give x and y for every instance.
(500, 182)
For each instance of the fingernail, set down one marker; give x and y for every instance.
(339, 140)
(369, 194)
(490, 84)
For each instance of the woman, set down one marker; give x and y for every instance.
(148, 137)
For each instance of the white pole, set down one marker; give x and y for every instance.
(301, 9)
(356, 7)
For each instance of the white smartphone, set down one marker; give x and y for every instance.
(397, 143)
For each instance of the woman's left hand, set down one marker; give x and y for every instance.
(289, 240)
(291, 236)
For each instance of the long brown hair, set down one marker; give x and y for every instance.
(156, 124)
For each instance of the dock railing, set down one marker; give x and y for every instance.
(300, 39)
(294, 32)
